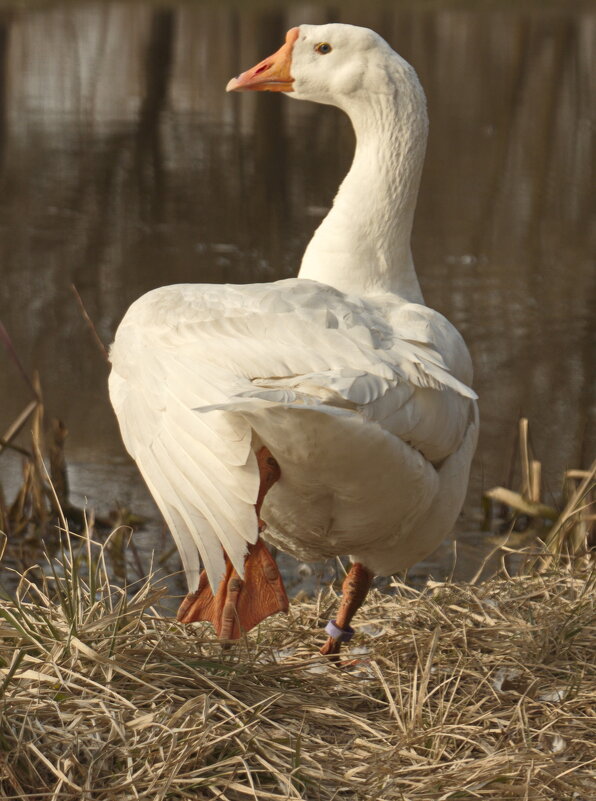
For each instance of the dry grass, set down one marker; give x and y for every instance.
(550, 532)
(462, 692)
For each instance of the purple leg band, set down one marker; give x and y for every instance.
(343, 635)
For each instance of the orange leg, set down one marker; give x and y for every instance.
(240, 604)
(354, 590)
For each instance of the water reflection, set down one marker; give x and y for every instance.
(124, 166)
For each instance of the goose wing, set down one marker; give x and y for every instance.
(188, 360)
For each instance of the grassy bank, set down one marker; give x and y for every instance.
(461, 692)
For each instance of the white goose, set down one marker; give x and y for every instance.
(338, 395)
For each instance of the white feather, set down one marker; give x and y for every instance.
(360, 391)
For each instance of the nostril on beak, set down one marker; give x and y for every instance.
(262, 68)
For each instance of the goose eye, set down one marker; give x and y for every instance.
(323, 48)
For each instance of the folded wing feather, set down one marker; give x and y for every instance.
(186, 349)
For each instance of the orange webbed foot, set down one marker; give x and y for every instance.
(239, 604)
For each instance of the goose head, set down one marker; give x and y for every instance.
(363, 244)
(334, 64)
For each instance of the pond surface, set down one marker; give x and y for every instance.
(125, 166)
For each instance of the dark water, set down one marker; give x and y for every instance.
(125, 166)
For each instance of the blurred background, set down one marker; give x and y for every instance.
(124, 166)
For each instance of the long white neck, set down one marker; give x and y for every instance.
(363, 244)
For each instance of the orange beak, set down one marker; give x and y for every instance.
(270, 75)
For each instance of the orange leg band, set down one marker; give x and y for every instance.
(354, 590)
